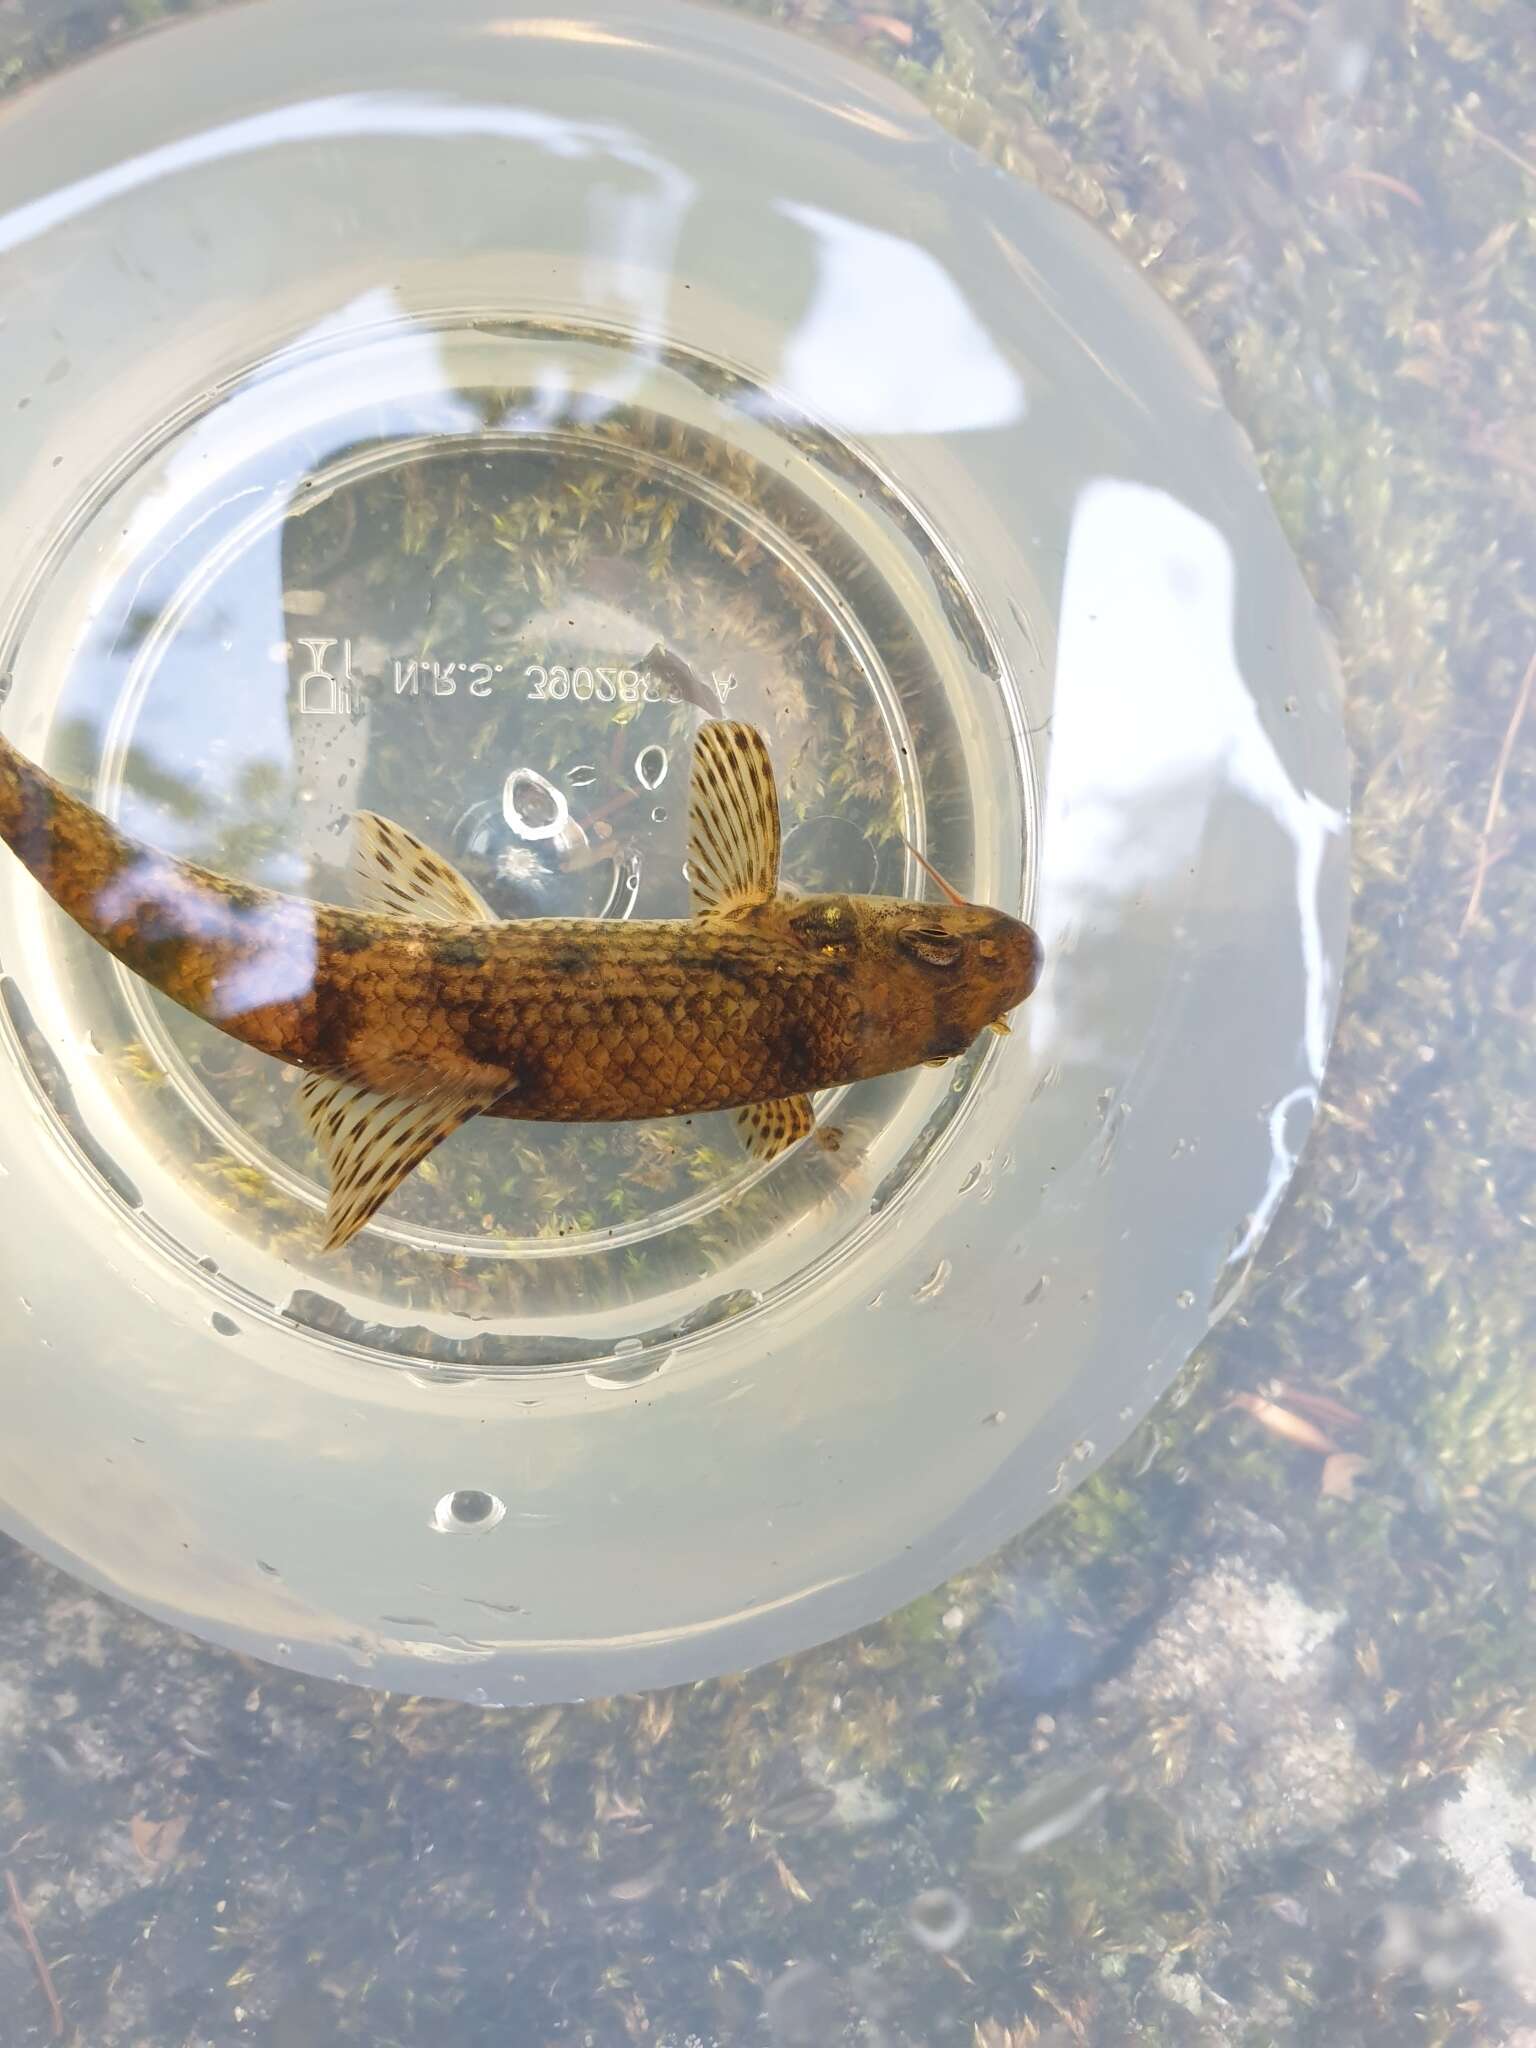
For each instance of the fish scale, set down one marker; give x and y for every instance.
(587, 1044)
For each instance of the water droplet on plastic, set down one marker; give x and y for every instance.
(629, 1367)
(659, 815)
(934, 1285)
(805, 2008)
(465, 1509)
(1045, 1814)
(939, 1920)
(580, 777)
(225, 1325)
(826, 855)
(651, 765)
(802, 1806)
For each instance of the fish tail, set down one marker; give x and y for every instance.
(187, 932)
(73, 851)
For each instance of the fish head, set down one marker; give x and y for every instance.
(927, 977)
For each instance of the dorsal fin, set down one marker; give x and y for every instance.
(769, 1128)
(393, 871)
(733, 820)
(371, 1142)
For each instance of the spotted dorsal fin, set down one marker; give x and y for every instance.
(371, 1142)
(769, 1128)
(392, 871)
(733, 820)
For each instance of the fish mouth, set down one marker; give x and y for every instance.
(1008, 959)
(1024, 956)
(1031, 963)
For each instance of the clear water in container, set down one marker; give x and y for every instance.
(389, 384)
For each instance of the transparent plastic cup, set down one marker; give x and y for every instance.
(388, 385)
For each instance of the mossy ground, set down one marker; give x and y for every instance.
(1340, 200)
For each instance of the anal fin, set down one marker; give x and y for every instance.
(769, 1128)
(371, 1142)
(392, 870)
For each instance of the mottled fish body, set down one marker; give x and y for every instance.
(421, 1009)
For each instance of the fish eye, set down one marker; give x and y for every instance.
(931, 944)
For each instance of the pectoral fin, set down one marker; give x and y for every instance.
(394, 872)
(733, 820)
(372, 1142)
(769, 1128)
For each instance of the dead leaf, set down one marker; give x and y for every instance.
(157, 1841)
(788, 1879)
(887, 25)
(1281, 1422)
(1322, 1407)
(629, 1890)
(1339, 1475)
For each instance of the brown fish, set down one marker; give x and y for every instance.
(421, 1009)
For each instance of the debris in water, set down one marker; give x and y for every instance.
(1340, 1471)
(39, 1960)
(1282, 1422)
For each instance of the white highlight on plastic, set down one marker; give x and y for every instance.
(889, 344)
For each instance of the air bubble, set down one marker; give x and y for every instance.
(532, 805)
(465, 1509)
